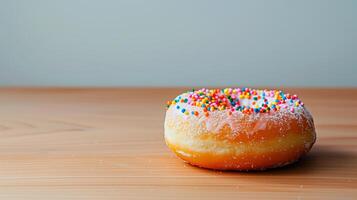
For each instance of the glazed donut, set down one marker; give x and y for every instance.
(238, 128)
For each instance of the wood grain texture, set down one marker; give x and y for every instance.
(108, 144)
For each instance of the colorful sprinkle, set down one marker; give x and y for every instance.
(244, 100)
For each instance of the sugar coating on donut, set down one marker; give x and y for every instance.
(209, 110)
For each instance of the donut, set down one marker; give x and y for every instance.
(238, 128)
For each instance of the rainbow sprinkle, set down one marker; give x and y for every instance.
(244, 100)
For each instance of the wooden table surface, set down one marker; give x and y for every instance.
(108, 144)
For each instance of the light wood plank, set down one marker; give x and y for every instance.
(60, 143)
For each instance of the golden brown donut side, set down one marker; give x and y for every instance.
(241, 142)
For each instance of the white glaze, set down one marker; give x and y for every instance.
(218, 119)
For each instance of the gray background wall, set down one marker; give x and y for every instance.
(178, 43)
